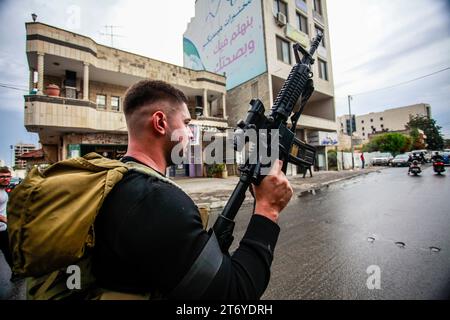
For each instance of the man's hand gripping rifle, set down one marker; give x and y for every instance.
(298, 85)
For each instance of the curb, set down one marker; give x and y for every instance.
(299, 192)
(327, 183)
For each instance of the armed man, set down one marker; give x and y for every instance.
(150, 240)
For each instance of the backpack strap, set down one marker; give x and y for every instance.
(135, 166)
(202, 272)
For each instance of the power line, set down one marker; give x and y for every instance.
(402, 83)
(398, 84)
(13, 85)
(13, 88)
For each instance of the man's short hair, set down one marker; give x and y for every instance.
(150, 91)
(4, 170)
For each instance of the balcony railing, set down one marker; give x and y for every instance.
(59, 100)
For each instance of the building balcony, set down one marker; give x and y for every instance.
(70, 115)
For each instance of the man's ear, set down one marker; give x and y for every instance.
(159, 122)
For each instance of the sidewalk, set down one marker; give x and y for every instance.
(215, 192)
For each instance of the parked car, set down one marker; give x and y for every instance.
(446, 156)
(400, 160)
(425, 152)
(382, 160)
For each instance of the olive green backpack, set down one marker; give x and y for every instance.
(51, 218)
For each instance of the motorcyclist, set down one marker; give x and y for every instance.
(437, 157)
(414, 161)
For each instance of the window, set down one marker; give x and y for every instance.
(381, 118)
(382, 126)
(371, 120)
(362, 121)
(302, 23)
(283, 50)
(364, 134)
(280, 6)
(101, 101)
(115, 103)
(362, 128)
(318, 6)
(323, 73)
(319, 29)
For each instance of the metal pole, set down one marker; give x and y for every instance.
(351, 129)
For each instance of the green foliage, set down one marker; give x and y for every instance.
(434, 140)
(332, 159)
(394, 143)
(417, 143)
(216, 168)
(447, 144)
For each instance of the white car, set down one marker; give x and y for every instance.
(383, 159)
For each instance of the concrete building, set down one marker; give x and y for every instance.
(390, 120)
(251, 42)
(84, 113)
(20, 149)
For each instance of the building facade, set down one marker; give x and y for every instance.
(77, 88)
(252, 43)
(390, 120)
(20, 149)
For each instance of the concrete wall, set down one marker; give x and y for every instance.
(272, 30)
(238, 99)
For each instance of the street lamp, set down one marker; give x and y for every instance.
(351, 128)
(34, 16)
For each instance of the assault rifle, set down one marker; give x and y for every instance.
(299, 85)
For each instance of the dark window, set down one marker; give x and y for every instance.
(362, 128)
(364, 134)
(283, 50)
(115, 103)
(362, 121)
(323, 73)
(318, 6)
(302, 23)
(381, 118)
(371, 120)
(280, 6)
(382, 126)
(101, 101)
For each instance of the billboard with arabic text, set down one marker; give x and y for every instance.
(226, 37)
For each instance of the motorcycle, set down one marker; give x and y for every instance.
(414, 168)
(438, 167)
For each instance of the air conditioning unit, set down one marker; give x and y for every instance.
(281, 19)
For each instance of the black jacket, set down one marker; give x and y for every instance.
(149, 233)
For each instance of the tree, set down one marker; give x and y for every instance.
(417, 142)
(394, 143)
(447, 144)
(434, 140)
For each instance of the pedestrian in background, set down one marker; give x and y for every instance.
(362, 160)
(5, 179)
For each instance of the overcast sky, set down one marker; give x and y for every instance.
(375, 44)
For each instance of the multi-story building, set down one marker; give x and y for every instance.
(251, 41)
(390, 120)
(84, 112)
(20, 149)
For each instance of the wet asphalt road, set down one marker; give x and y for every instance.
(386, 219)
(330, 238)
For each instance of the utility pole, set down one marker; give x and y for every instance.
(111, 33)
(351, 128)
